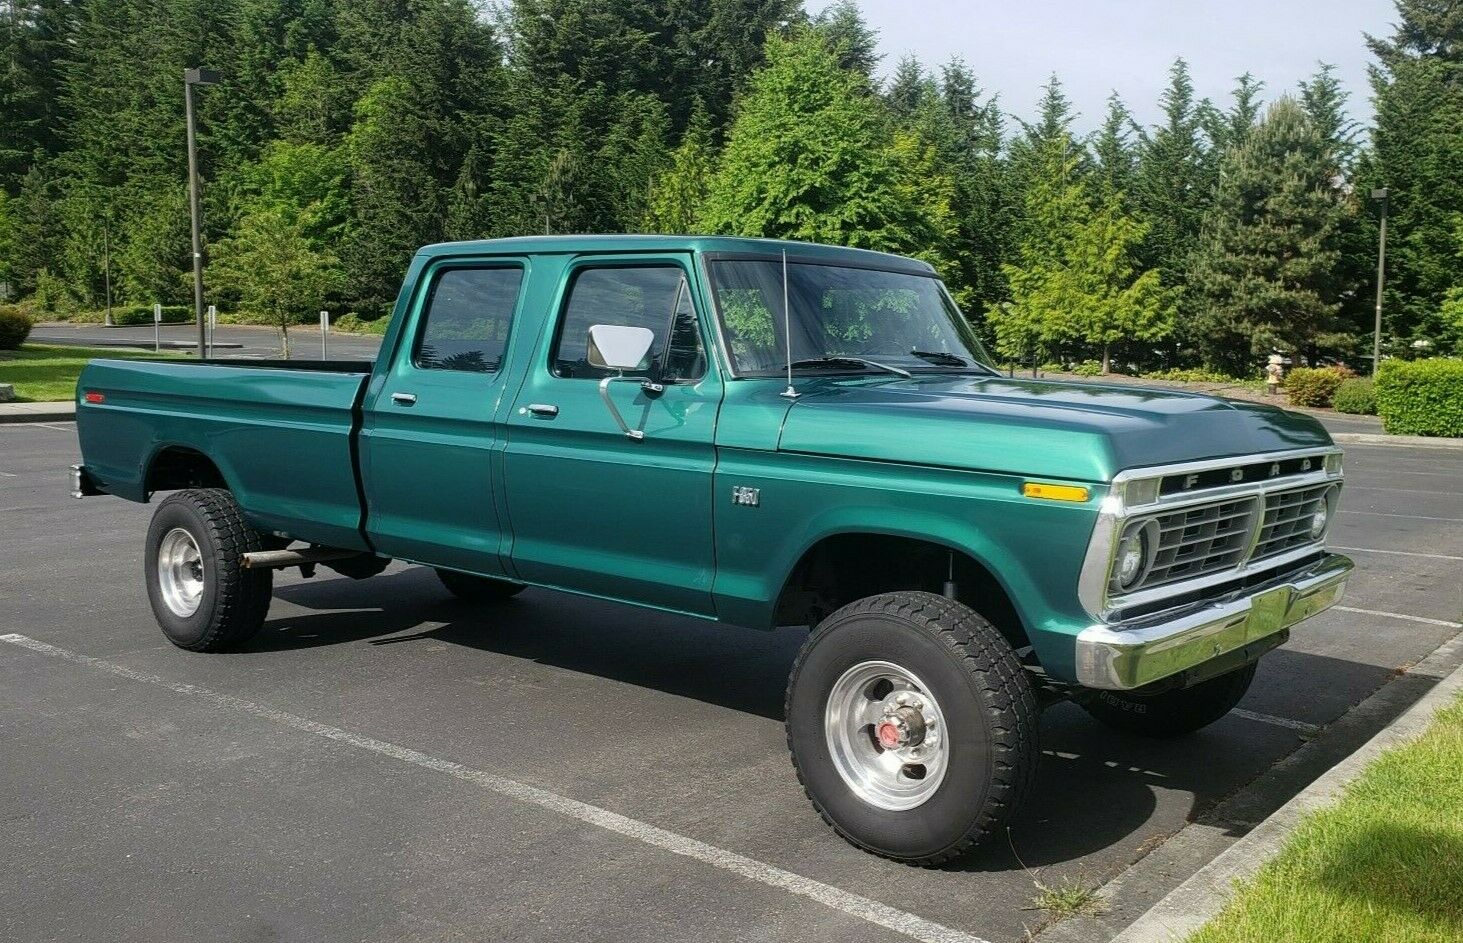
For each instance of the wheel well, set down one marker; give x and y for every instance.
(177, 467)
(845, 567)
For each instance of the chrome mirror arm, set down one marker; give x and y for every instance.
(604, 394)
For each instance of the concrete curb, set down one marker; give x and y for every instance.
(37, 412)
(1414, 441)
(1197, 900)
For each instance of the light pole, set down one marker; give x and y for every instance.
(1380, 195)
(192, 77)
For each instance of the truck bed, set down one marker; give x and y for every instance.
(279, 432)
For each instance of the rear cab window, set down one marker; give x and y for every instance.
(466, 318)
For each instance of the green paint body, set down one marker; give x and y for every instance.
(468, 478)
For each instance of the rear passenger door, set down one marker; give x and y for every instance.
(427, 438)
(592, 509)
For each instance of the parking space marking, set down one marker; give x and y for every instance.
(890, 918)
(1300, 725)
(1413, 517)
(1398, 553)
(1398, 615)
(1399, 490)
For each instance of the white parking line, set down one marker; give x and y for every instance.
(1413, 517)
(854, 905)
(1300, 725)
(1399, 490)
(1398, 553)
(1398, 615)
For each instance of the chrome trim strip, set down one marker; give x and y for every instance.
(1121, 657)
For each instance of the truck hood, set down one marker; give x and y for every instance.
(1084, 431)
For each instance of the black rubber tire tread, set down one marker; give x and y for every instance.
(1010, 703)
(240, 597)
(1172, 713)
(471, 588)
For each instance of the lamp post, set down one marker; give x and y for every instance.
(192, 77)
(1380, 195)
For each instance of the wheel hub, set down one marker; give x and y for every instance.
(885, 735)
(180, 572)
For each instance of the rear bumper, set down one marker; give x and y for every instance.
(1123, 656)
(82, 485)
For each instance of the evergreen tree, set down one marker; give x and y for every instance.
(678, 193)
(1076, 279)
(985, 197)
(34, 38)
(906, 88)
(1417, 155)
(808, 158)
(1267, 271)
(1113, 152)
(1229, 130)
(843, 28)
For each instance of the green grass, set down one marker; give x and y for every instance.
(47, 372)
(1385, 864)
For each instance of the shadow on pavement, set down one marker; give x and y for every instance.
(1096, 788)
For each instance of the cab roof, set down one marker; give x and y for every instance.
(704, 245)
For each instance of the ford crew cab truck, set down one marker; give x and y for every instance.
(765, 434)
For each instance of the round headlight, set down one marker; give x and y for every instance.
(1322, 515)
(1132, 557)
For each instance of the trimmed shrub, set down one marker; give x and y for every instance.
(142, 314)
(14, 327)
(351, 323)
(1421, 397)
(1356, 396)
(1314, 386)
(1190, 375)
(1088, 368)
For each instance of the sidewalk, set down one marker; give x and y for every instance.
(64, 411)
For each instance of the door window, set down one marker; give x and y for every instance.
(657, 297)
(466, 319)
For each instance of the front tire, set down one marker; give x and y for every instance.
(204, 598)
(1172, 713)
(471, 588)
(912, 726)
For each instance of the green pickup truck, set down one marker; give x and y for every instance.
(766, 434)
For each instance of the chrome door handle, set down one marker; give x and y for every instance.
(543, 409)
(404, 399)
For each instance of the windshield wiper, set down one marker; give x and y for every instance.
(940, 357)
(848, 362)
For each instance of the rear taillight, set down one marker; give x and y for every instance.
(92, 396)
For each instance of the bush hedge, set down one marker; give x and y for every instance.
(1088, 368)
(1314, 386)
(1421, 397)
(1191, 375)
(1356, 396)
(351, 323)
(142, 314)
(14, 327)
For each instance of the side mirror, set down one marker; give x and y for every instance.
(619, 347)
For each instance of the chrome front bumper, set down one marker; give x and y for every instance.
(1123, 656)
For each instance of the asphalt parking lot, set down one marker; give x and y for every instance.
(383, 762)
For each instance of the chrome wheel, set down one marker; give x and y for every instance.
(180, 572)
(886, 735)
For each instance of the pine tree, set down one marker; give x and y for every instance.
(843, 28)
(808, 158)
(1417, 155)
(1076, 278)
(1114, 154)
(678, 193)
(34, 39)
(1267, 271)
(907, 87)
(985, 196)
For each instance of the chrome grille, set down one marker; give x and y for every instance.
(1200, 540)
(1287, 522)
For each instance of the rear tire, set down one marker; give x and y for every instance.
(478, 588)
(203, 597)
(1172, 713)
(912, 726)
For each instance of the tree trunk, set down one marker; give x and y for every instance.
(284, 336)
(1106, 359)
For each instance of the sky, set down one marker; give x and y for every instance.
(1096, 46)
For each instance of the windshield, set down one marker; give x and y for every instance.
(842, 319)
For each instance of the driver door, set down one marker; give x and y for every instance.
(593, 509)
